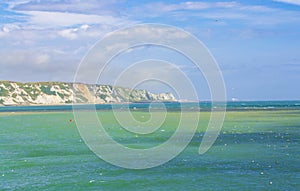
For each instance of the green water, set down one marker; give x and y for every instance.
(256, 150)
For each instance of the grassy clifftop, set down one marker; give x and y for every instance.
(16, 93)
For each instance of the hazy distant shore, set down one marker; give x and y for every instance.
(61, 93)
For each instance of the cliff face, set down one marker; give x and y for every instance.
(15, 93)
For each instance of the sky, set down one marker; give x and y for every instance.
(255, 43)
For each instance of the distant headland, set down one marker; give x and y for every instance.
(57, 93)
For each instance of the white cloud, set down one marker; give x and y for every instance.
(74, 6)
(29, 58)
(5, 29)
(192, 5)
(14, 3)
(64, 19)
(201, 6)
(42, 59)
(294, 2)
(68, 33)
(85, 32)
(152, 32)
(224, 13)
(84, 27)
(35, 64)
(8, 28)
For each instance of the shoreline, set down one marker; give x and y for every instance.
(174, 106)
(9, 113)
(113, 103)
(148, 102)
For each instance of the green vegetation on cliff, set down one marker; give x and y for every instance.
(16, 93)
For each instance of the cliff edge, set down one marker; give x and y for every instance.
(53, 93)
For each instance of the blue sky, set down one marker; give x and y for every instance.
(256, 43)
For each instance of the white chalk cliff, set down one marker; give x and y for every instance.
(52, 93)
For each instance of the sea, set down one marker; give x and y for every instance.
(258, 148)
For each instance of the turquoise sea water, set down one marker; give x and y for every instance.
(258, 149)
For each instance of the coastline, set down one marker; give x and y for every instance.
(175, 106)
(90, 103)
